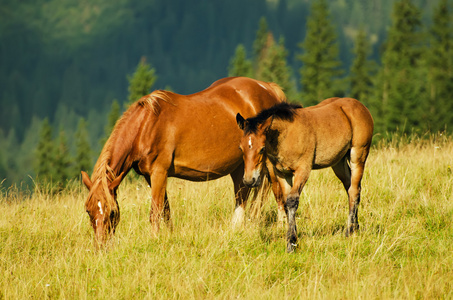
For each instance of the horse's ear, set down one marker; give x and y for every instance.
(241, 121)
(115, 183)
(86, 180)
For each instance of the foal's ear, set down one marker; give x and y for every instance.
(86, 180)
(241, 121)
(265, 126)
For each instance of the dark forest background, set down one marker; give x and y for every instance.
(66, 65)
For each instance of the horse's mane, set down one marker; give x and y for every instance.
(103, 174)
(282, 111)
(151, 101)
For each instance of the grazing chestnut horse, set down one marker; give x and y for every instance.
(193, 137)
(291, 141)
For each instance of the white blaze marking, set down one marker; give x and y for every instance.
(250, 142)
(100, 208)
(238, 217)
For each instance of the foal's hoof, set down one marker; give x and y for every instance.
(351, 229)
(291, 247)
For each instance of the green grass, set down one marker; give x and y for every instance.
(403, 250)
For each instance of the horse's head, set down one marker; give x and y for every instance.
(101, 206)
(253, 144)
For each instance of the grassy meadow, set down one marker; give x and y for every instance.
(403, 250)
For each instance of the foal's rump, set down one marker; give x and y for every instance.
(340, 124)
(343, 113)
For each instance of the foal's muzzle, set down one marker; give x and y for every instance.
(253, 181)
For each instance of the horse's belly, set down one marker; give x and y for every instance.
(205, 168)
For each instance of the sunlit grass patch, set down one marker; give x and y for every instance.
(403, 248)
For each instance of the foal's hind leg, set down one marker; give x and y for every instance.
(343, 171)
(351, 176)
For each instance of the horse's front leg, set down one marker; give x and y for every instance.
(241, 193)
(160, 207)
(291, 205)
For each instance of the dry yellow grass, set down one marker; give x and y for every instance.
(404, 248)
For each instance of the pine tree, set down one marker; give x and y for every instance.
(111, 121)
(63, 162)
(320, 61)
(440, 64)
(261, 41)
(141, 82)
(45, 154)
(400, 101)
(273, 66)
(83, 149)
(362, 69)
(239, 64)
(3, 170)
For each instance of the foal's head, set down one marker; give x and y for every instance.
(101, 206)
(253, 146)
(253, 142)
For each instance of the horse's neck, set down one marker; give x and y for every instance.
(120, 145)
(112, 161)
(120, 160)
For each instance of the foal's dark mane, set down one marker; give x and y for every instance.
(282, 111)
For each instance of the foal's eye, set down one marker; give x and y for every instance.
(262, 150)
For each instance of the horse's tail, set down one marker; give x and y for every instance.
(278, 91)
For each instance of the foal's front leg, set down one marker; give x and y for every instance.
(278, 191)
(291, 205)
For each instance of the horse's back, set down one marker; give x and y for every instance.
(202, 126)
(244, 92)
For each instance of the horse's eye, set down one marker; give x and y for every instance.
(262, 150)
